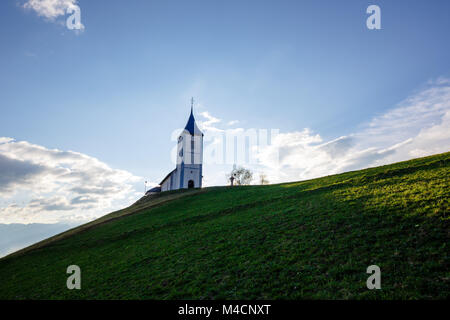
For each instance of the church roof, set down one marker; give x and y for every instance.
(191, 125)
(154, 189)
(168, 175)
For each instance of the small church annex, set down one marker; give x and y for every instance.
(188, 171)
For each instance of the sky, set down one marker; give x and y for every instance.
(88, 114)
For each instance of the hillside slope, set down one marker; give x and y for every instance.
(309, 239)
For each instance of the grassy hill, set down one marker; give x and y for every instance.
(308, 239)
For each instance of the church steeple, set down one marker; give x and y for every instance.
(191, 125)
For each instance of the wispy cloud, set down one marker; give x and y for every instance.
(418, 126)
(209, 122)
(232, 122)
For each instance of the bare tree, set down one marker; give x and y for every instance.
(263, 178)
(241, 176)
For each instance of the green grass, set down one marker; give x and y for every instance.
(303, 240)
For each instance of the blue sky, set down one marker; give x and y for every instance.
(118, 89)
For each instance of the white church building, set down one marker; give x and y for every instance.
(188, 172)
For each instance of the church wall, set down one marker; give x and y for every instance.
(170, 182)
(192, 172)
(165, 186)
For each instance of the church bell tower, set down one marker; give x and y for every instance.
(190, 154)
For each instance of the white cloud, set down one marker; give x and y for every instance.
(5, 140)
(420, 111)
(51, 10)
(209, 123)
(56, 185)
(416, 127)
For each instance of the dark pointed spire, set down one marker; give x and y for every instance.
(191, 126)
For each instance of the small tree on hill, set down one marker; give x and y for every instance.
(241, 176)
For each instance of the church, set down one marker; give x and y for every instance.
(188, 171)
